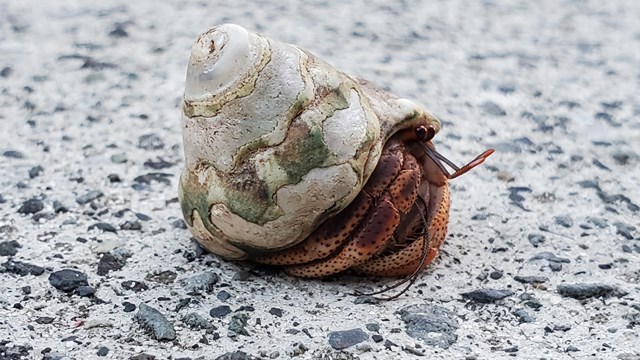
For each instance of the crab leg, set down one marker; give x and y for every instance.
(406, 261)
(365, 244)
(397, 184)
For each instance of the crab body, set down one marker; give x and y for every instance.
(289, 161)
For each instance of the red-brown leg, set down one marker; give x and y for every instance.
(364, 245)
(406, 261)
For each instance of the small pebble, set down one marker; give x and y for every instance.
(237, 325)
(223, 295)
(179, 224)
(35, 171)
(119, 31)
(131, 226)
(44, 320)
(236, 355)
(152, 321)
(586, 291)
(9, 248)
(561, 327)
(251, 308)
(546, 255)
(554, 266)
(347, 338)
(85, 291)
(195, 321)
(114, 178)
(108, 263)
(88, 197)
(275, 312)
(13, 154)
(59, 207)
(128, 307)
(388, 344)
(487, 295)
(73, 338)
(601, 223)
(241, 275)
(22, 268)
(150, 142)
(164, 277)
(158, 164)
(625, 230)
(523, 316)
(530, 279)
(220, 311)
(103, 351)
(6, 71)
(432, 324)
(296, 349)
(162, 178)
(413, 351)
(203, 281)
(103, 226)
(135, 286)
(31, 206)
(536, 239)
(119, 158)
(491, 108)
(564, 221)
(533, 303)
(373, 327)
(571, 348)
(182, 304)
(142, 217)
(142, 356)
(68, 280)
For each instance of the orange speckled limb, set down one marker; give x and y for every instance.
(398, 185)
(406, 261)
(365, 244)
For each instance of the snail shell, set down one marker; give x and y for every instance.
(275, 140)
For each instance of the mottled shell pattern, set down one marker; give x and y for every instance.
(275, 140)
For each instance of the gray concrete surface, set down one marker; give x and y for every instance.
(552, 85)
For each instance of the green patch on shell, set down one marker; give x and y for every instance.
(310, 153)
(191, 199)
(249, 205)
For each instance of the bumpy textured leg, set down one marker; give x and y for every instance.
(395, 184)
(370, 238)
(408, 259)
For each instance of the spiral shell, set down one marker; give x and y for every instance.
(275, 140)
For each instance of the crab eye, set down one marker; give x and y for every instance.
(425, 133)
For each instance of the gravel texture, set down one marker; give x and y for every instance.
(545, 235)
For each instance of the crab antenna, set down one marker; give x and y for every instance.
(439, 158)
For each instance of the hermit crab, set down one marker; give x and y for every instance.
(291, 162)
